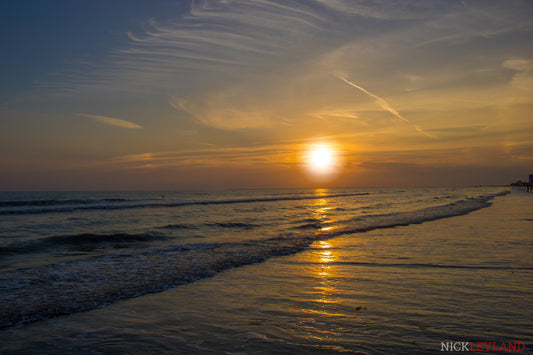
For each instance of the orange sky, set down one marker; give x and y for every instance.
(232, 94)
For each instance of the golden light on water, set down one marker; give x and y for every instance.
(325, 255)
(320, 210)
(323, 269)
(326, 290)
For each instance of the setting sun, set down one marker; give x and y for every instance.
(321, 159)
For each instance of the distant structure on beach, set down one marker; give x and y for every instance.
(527, 185)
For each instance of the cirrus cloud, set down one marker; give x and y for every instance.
(111, 121)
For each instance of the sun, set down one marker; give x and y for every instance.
(321, 159)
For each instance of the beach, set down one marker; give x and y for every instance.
(393, 289)
(266, 177)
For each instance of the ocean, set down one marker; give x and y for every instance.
(365, 271)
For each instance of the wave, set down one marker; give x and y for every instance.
(370, 222)
(311, 223)
(51, 290)
(59, 206)
(18, 203)
(178, 226)
(85, 241)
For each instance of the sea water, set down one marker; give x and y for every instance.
(324, 270)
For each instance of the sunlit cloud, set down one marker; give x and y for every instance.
(338, 114)
(262, 155)
(111, 121)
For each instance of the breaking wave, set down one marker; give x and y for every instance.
(83, 241)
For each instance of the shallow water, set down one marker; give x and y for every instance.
(403, 290)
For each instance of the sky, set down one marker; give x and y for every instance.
(205, 94)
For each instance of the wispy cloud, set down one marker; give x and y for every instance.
(111, 121)
(242, 36)
(248, 64)
(384, 104)
(523, 77)
(221, 110)
(285, 154)
(234, 36)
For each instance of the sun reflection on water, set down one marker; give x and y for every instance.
(324, 305)
(324, 255)
(326, 293)
(321, 209)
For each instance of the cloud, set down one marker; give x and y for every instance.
(384, 105)
(241, 64)
(221, 110)
(218, 41)
(517, 64)
(111, 121)
(284, 154)
(523, 77)
(381, 102)
(387, 9)
(232, 36)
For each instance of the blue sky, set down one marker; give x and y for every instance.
(214, 94)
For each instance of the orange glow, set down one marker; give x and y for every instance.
(322, 159)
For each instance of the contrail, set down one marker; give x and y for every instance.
(384, 104)
(111, 121)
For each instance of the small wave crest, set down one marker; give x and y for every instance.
(310, 223)
(85, 241)
(19, 203)
(178, 226)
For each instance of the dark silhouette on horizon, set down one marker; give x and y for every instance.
(527, 185)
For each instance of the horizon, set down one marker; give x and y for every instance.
(259, 189)
(248, 94)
